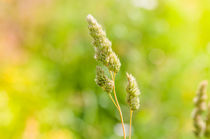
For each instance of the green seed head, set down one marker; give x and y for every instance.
(207, 131)
(103, 49)
(113, 63)
(133, 93)
(103, 81)
(200, 107)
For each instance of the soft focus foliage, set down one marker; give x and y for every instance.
(47, 88)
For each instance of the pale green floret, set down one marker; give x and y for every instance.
(97, 33)
(103, 49)
(113, 63)
(96, 30)
(103, 81)
(133, 93)
(102, 54)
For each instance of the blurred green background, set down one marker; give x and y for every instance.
(47, 69)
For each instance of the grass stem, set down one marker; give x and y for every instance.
(131, 113)
(118, 106)
(113, 100)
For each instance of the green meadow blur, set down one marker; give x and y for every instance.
(47, 67)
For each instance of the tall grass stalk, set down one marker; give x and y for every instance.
(106, 56)
(200, 110)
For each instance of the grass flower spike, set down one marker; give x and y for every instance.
(200, 107)
(207, 131)
(133, 93)
(103, 81)
(105, 55)
(103, 49)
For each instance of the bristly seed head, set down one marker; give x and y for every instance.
(200, 107)
(207, 131)
(103, 81)
(103, 49)
(133, 93)
(113, 63)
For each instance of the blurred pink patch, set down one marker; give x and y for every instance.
(10, 43)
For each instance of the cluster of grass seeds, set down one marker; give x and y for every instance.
(106, 56)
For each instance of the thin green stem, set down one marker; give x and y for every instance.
(113, 100)
(131, 113)
(118, 106)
